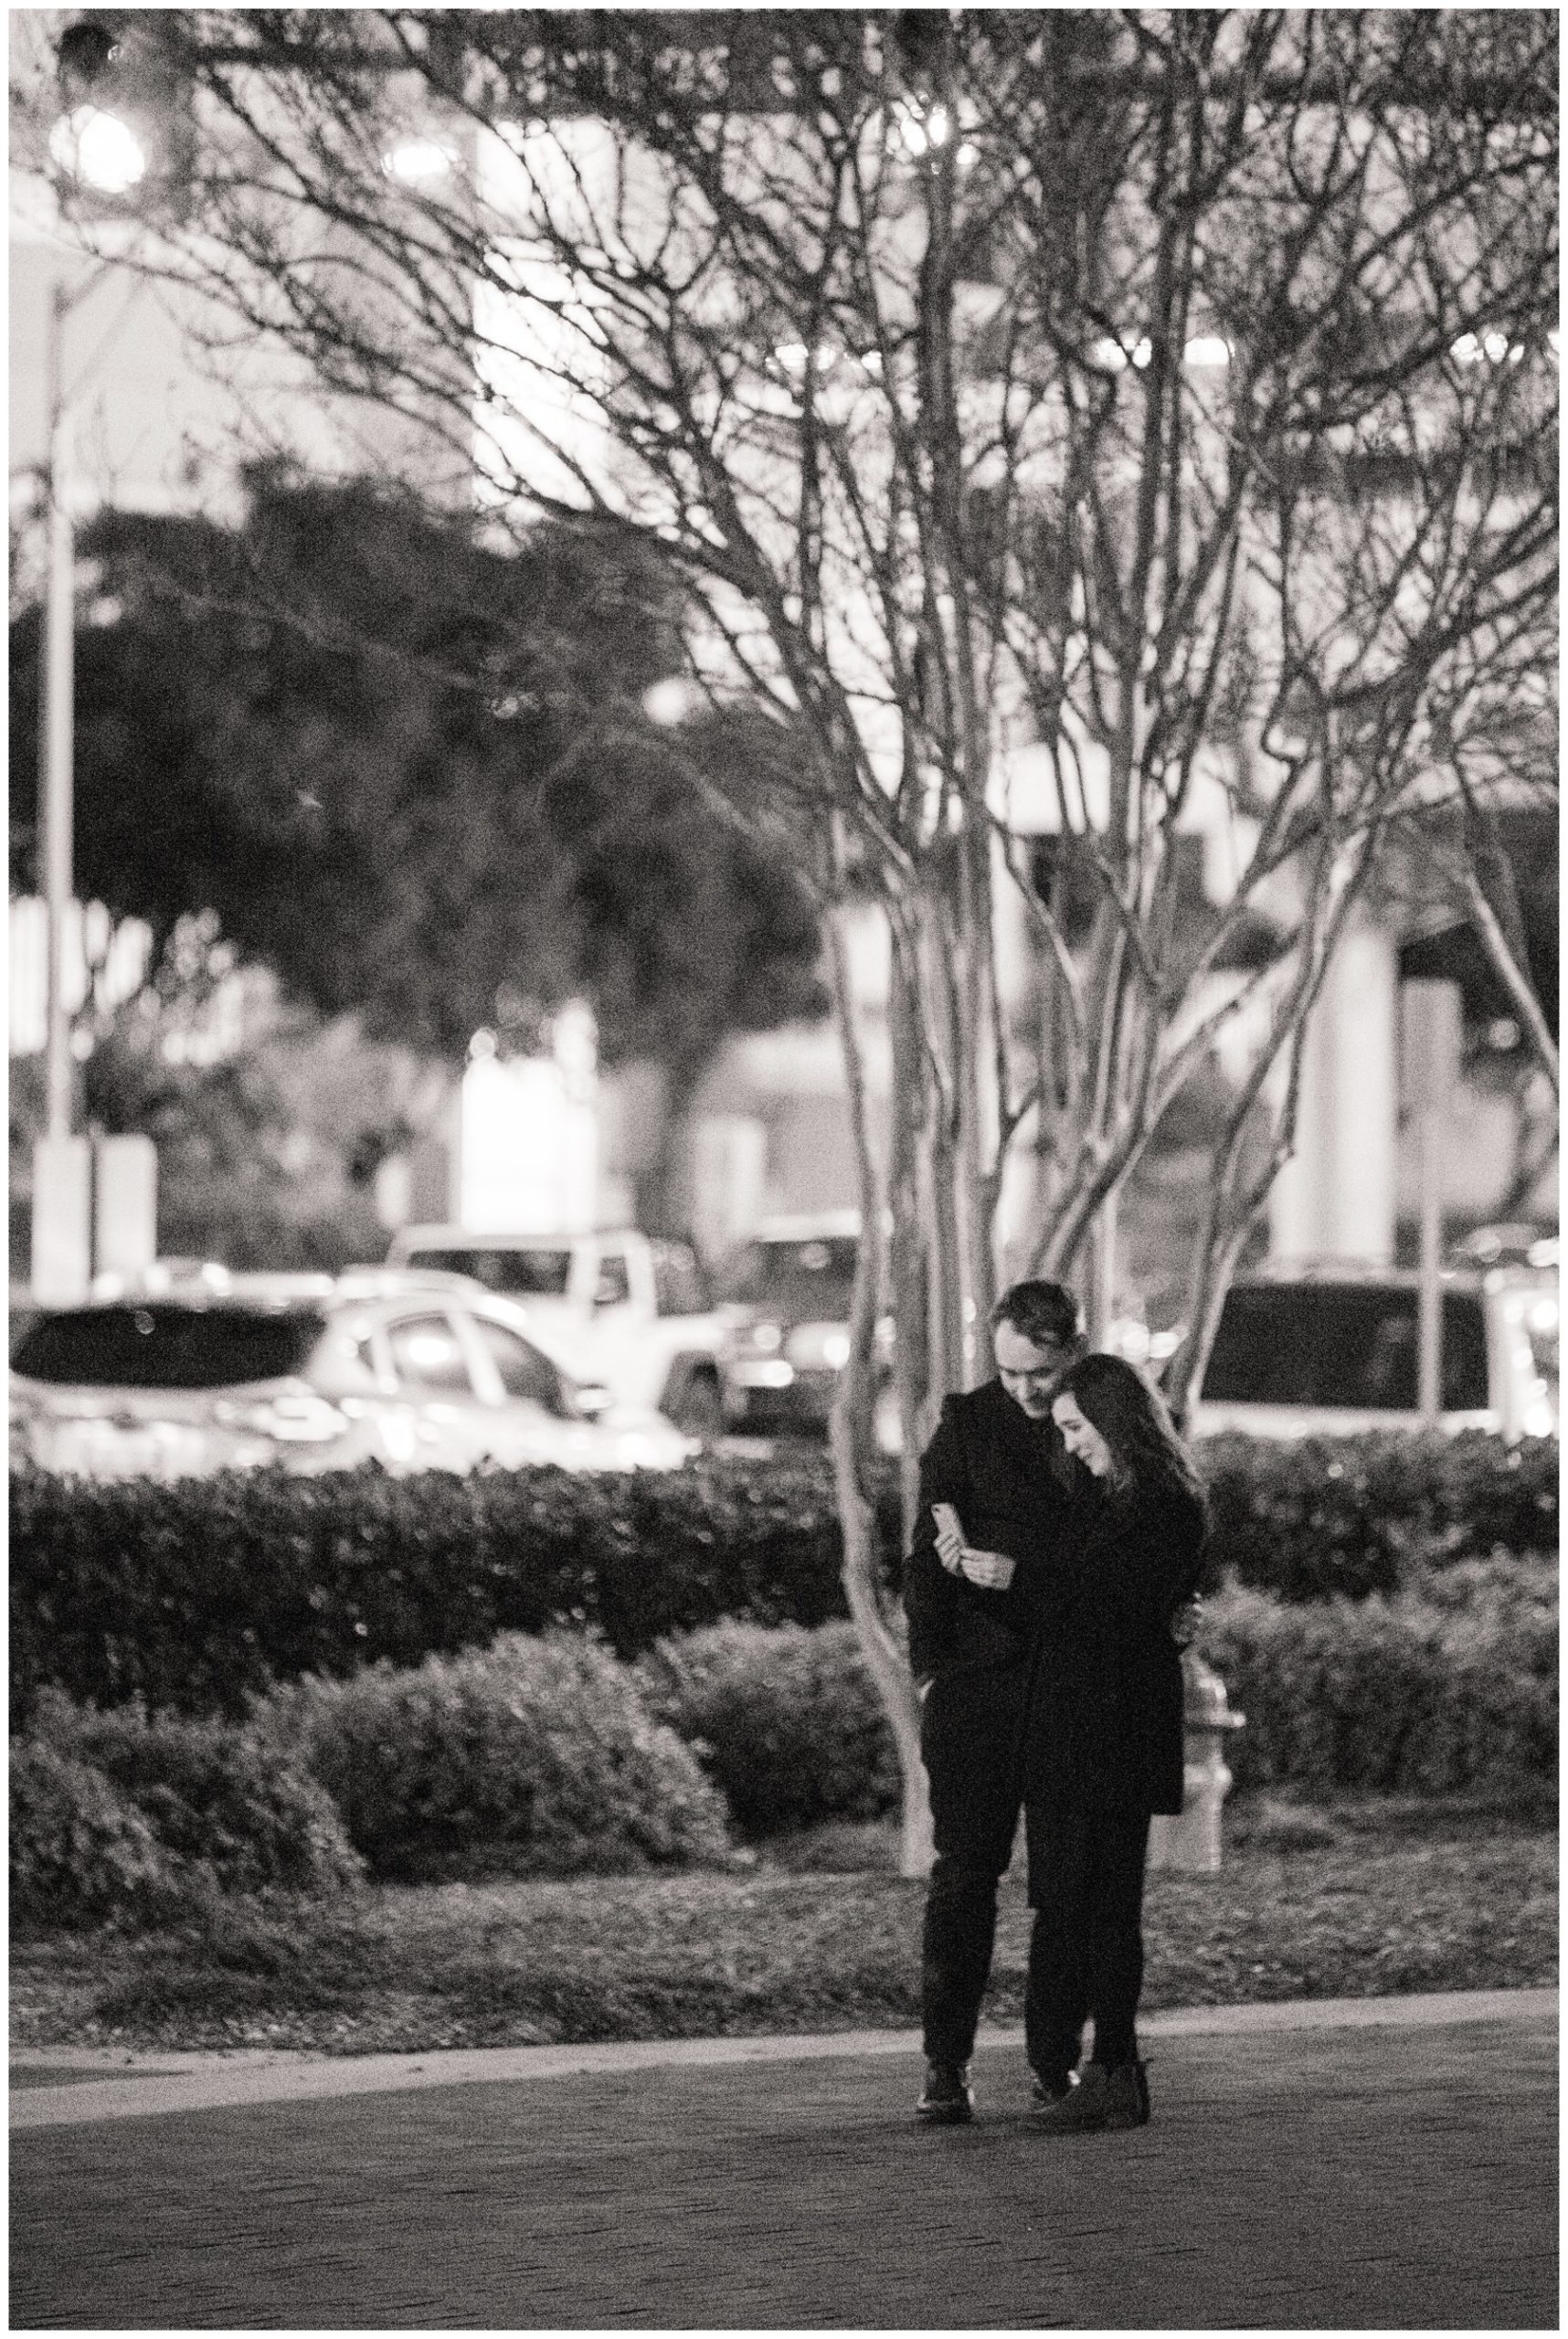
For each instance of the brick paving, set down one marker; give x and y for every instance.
(1363, 2176)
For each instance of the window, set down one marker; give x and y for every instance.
(614, 1286)
(1350, 1348)
(808, 1282)
(540, 1271)
(162, 1347)
(678, 1280)
(428, 1354)
(524, 1373)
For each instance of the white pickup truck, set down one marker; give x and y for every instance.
(628, 1310)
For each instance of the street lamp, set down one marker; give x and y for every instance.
(99, 149)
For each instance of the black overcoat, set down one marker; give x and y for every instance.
(1105, 1722)
(1010, 1481)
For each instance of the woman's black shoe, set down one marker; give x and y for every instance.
(948, 2097)
(1127, 2097)
(1104, 2097)
(1052, 2090)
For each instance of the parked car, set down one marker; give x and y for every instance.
(787, 1294)
(627, 1309)
(414, 1374)
(1303, 1352)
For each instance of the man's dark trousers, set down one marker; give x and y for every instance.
(971, 1737)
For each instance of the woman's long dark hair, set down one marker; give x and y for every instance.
(1147, 1455)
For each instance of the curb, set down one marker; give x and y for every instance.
(120, 2083)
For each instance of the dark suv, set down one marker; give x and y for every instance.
(1312, 1352)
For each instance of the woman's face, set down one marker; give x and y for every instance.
(1081, 1437)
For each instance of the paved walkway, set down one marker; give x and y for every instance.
(1370, 2164)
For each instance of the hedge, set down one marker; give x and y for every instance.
(537, 1756)
(196, 1593)
(784, 1720)
(548, 1755)
(1400, 1696)
(1311, 1518)
(122, 1815)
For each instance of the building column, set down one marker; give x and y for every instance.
(1336, 1197)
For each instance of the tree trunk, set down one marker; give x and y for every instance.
(850, 1443)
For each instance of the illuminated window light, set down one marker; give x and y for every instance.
(922, 131)
(795, 358)
(99, 149)
(1207, 349)
(671, 701)
(417, 159)
(1490, 348)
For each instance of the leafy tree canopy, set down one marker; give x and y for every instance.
(412, 774)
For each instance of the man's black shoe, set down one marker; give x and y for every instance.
(948, 2097)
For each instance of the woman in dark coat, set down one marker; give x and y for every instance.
(1104, 1737)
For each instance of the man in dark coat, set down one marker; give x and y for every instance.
(972, 1584)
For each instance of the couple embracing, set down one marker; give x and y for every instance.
(1058, 1548)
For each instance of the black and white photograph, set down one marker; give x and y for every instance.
(784, 1160)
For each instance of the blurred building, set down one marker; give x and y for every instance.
(151, 424)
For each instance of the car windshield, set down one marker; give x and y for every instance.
(540, 1272)
(804, 1282)
(162, 1347)
(1345, 1346)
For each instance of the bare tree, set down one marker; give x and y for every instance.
(1090, 425)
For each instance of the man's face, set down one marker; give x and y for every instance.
(1030, 1370)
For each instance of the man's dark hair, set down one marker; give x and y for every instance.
(1045, 1313)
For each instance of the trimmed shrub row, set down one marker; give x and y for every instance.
(120, 1816)
(196, 1594)
(534, 1757)
(1403, 1697)
(1312, 1518)
(786, 1721)
(1400, 1697)
(546, 1756)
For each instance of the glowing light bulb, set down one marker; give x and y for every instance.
(99, 149)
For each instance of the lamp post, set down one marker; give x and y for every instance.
(57, 740)
(98, 150)
(61, 1261)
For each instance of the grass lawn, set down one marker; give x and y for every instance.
(1350, 1899)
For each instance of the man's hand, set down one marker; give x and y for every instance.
(950, 1538)
(1187, 1622)
(992, 1571)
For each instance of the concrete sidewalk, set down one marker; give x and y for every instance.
(1372, 2165)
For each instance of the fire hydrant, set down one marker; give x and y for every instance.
(1191, 1839)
